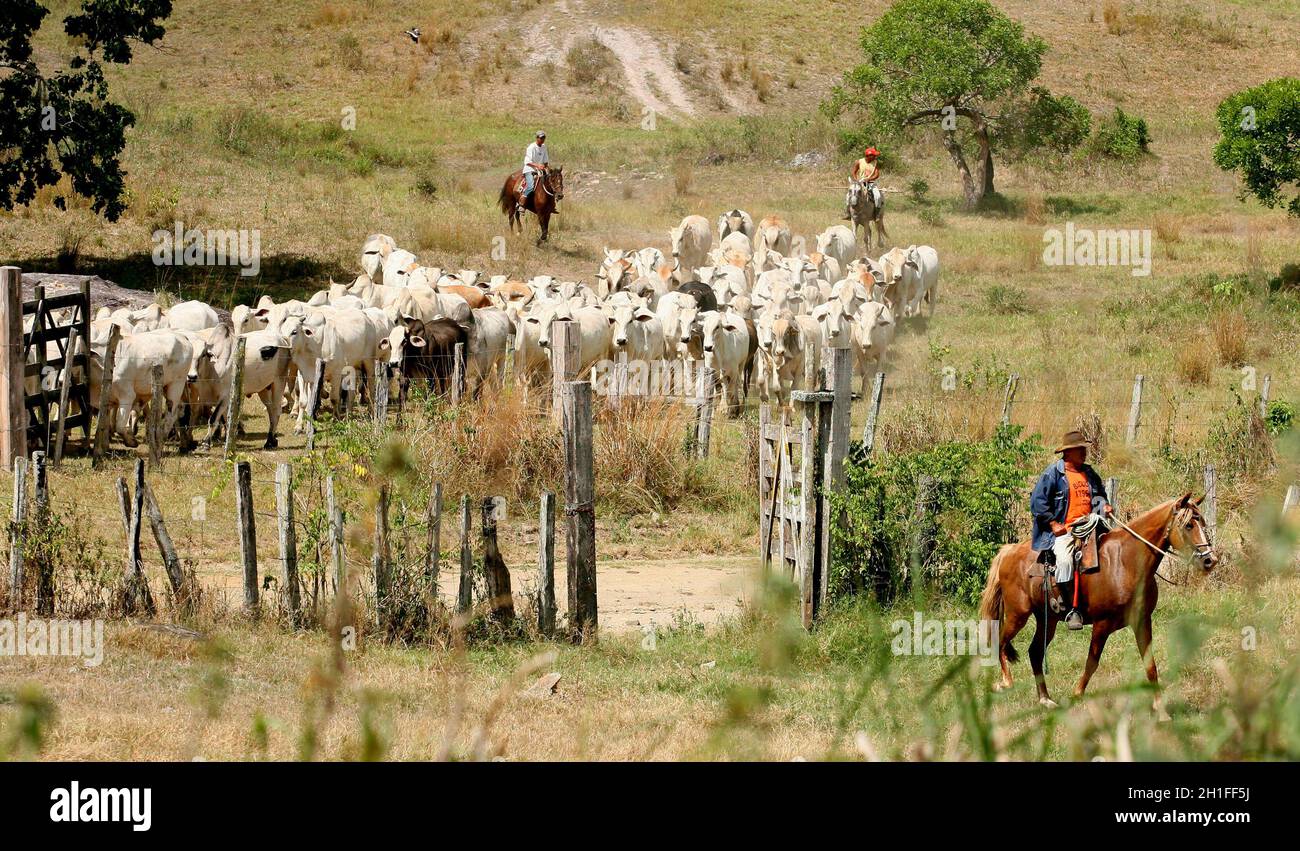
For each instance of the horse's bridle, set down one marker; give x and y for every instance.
(1181, 517)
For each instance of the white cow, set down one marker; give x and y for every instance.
(132, 379)
(691, 241)
(839, 242)
(772, 234)
(594, 333)
(735, 221)
(636, 331)
(616, 271)
(487, 344)
(920, 279)
(873, 331)
(789, 347)
(726, 347)
(265, 375)
(374, 252)
(190, 316)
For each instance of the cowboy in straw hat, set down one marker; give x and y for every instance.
(1067, 491)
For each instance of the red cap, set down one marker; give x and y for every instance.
(871, 152)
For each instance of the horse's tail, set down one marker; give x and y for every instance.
(504, 200)
(991, 600)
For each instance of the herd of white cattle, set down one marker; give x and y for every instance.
(753, 305)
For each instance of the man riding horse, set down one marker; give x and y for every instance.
(1066, 503)
(538, 187)
(536, 160)
(864, 174)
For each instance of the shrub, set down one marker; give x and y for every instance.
(591, 64)
(1279, 417)
(1121, 137)
(977, 490)
(1004, 300)
(1231, 335)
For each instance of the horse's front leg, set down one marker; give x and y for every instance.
(1043, 632)
(1101, 631)
(1142, 634)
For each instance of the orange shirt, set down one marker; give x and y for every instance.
(1080, 494)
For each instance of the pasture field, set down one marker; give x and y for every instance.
(239, 126)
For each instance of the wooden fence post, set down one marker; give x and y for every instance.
(336, 537)
(247, 530)
(105, 398)
(1263, 395)
(564, 362)
(924, 533)
(839, 381)
(873, 412)
(1009, 397)
(1292, 498)
(137, 597)
(381, 560)
(1135, 411)
(704, 410)
(313, 403)
(157, 409)
(380, 391)
(458, 373)
(1210, 507)
(288, 540)
(233, 410)
(40, 516)
(579, 495)
(433, 539)
(65, 385)
(465, 593)
(546, 565)
(13, 409)
(181, 591)
(501, 604)
(813, 442)
(16, 577)
(1112, 493)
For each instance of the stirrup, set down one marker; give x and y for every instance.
(1074, 621)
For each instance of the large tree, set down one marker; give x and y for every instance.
(1260, 138)
(58, 120)
(966, 67)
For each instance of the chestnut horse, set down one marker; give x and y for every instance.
(1121, 593)
(548, 190)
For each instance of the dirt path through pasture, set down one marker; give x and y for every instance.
(651, 78)
(633, 593)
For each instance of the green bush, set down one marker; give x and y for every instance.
(1279, 417)
(1121, 136)
(977, 490)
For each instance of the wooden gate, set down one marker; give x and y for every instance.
(46, 391)
(798, 463)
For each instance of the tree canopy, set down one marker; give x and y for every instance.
(965, 66)
(1260, 139)
(59, 120)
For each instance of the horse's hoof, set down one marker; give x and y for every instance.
(271, 443)
(1000, 686)
(1161, 714)
(1048, 703)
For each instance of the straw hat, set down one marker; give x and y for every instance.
(1072, 440)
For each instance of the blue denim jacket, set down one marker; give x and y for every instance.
(1050, 500)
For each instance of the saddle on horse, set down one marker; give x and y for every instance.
(1078, 555)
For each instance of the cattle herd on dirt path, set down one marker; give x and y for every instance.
(739, 296)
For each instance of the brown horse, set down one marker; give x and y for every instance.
(548, 191)
(1121, 593)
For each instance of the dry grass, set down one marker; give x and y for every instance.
(1195, 363)
(1231, 334)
